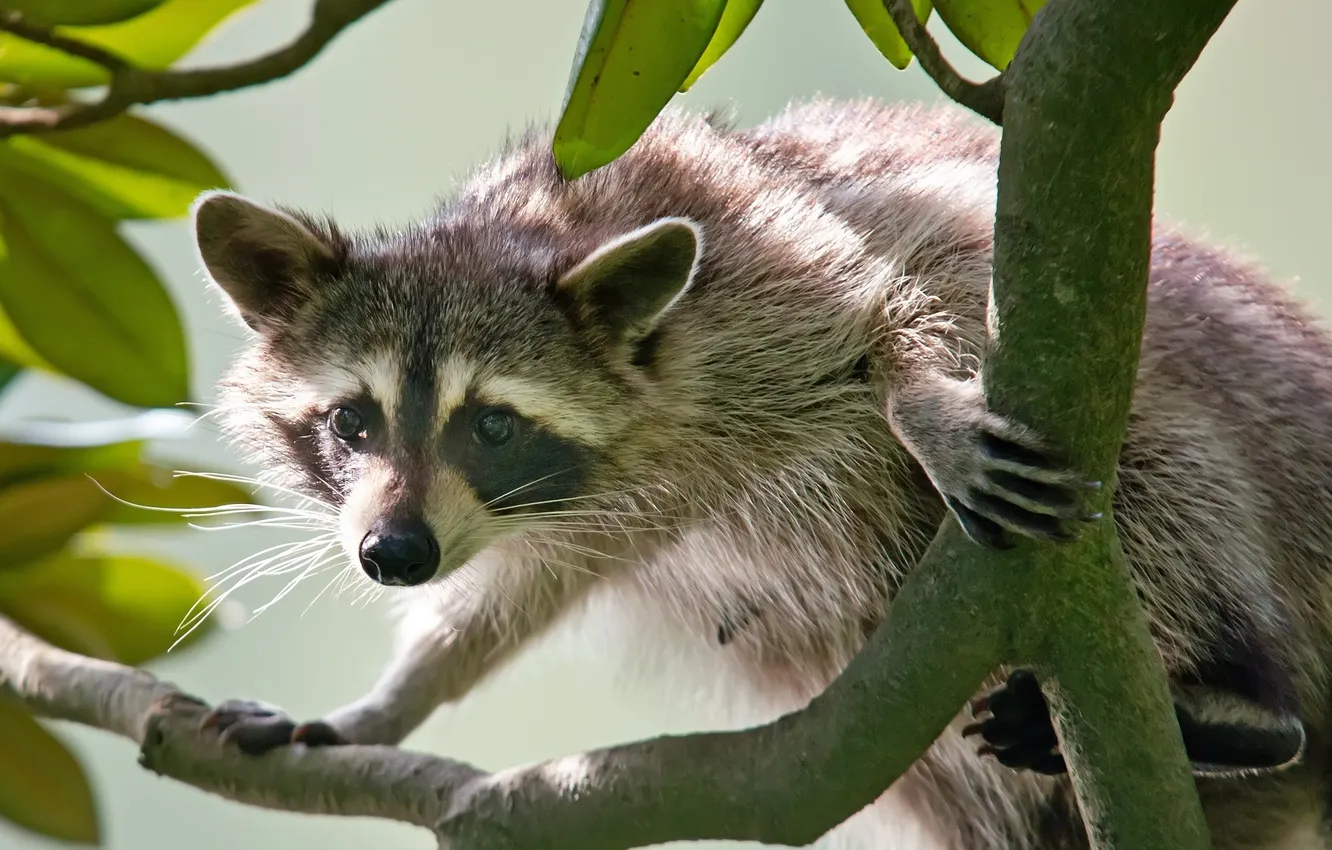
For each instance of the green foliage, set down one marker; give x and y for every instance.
(80, 12)
(634, 55)
(991, 29)
(77, 300)
(734, 20)
(54, 583)
(42, 786)
(878, 25)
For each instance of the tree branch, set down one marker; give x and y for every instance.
(985, 99)
(14, 22)
(783, 783)
(1086, 95)
(131, 85)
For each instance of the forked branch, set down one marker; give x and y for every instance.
(985, 99)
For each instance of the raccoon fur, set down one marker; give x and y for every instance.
(728, 384)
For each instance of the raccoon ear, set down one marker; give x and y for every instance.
(627, 283)
(265, 260)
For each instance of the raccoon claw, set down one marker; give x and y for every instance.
(256, 728)
(1018, 732)
(1020, 489)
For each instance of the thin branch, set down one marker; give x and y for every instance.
(985, 99)
(131, 85)
(379, 782)
(15, 23)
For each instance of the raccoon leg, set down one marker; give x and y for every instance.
(451, 643)
(1224, 734)
(996, 476)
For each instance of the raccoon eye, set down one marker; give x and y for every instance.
(495, 427)
(346, 423)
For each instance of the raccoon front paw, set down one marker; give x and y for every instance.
(255, 728)
(1018, 732)
(1014, 484)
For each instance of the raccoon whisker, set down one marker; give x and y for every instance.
(253, 567)
(300, 524)
(249, 560)
(259, 483)
(546, 562)
(307, 566)
(533, 483)
(579, 497)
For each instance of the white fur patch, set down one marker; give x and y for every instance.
(455, 375)
(540, 402)
(382, 376)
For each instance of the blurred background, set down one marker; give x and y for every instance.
(388, 117)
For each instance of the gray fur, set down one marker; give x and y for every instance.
(775, 456)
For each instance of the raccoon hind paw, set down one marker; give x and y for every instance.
(1018, 732)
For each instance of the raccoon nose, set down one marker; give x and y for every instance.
(403, 553)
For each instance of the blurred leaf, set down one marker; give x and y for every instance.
(14, 349)
(42, 785)
(154, 487)
(991, 29)
(39, 517)
(878, 25)
(632, 57)
(85, 301)
(125, 167)
(8, 372)
(20, 462)
(80, 12)
(124, 609)
(735, 18)
(154, 40)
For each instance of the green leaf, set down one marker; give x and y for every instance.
(42, 785)
(632, 57)
(80, 12)
(735, 18)
(39, 517)
(124, 609)
(125, 167)
(153, 40)
(8, 372)
(991, 29)
(878, 25)
(85, 301)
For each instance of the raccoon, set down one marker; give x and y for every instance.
(729, 385)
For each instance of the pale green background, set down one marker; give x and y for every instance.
(388, 117)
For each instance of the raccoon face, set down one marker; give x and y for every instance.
(440, 399)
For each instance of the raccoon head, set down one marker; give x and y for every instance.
(442, 388)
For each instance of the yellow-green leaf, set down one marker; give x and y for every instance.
(26, 461)
(126, 167)
(878, 25)
(153, 40)
(734, 20)
(80, 12)
(85, 301)
(632, 57)
(124, 609)
(991, 29)
(39, 517)
(42, 785)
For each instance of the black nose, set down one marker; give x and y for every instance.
(400, 552)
